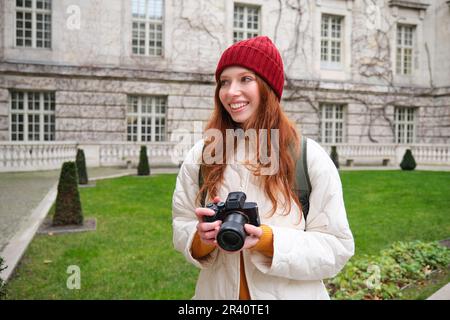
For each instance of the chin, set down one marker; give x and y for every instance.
(240, 121)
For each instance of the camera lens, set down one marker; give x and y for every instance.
(231, 236)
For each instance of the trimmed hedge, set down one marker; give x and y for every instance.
(408, 161)
(2, 284)
(334, 156)
(383, 276)
(81, 166)
(68, 205)
(143, 167)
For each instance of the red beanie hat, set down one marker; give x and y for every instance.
(258, 54)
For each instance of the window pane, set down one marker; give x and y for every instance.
(17, 127)
(331, 34)
(332, 122)
(138, 9)
(31, 114)
(132, 128)
(23, 29)
(155, 9)
(147, 28)
(40, 29)
(17, 101)
(404, 124)
(148, 121)
(405, 45)
(245, 22)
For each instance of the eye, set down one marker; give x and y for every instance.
(247, 79)
(223, 82)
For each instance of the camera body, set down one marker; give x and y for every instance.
(234, 214)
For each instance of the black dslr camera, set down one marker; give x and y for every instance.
(234, 213)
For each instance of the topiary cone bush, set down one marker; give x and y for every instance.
(68, 206)
(143, 167)
(81, 166)
(334, 156)
(2, 288)
(408, 162)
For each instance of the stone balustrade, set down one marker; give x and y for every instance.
(374, 153)
(31, 156)
(121, 153)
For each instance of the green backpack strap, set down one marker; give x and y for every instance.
(303, 184)
(200, 182)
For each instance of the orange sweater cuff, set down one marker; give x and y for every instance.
(199, 248)
(265, 243)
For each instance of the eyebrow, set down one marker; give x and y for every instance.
(240, 74)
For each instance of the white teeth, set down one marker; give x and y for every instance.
(238, 105)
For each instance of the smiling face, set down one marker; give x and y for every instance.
(239, 93)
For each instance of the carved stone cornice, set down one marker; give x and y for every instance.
(410, 4)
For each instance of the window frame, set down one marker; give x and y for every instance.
(403, 139)
(245, 30)
(333, 120)
(152, 115)
(26, 113)
(34, 12)
(328, 64)
(148, 23)
(402, 48)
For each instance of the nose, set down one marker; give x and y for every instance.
(234, 89)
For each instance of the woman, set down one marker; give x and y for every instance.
(285, 257)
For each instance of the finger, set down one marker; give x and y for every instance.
(200, 212)
(252, 230)
(210, 235)
(208, 226)
(217, 199)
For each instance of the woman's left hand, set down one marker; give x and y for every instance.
(253, 236)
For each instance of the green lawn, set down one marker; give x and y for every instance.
(131, 256)
(388, 206)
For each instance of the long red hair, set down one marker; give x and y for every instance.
(269, 115)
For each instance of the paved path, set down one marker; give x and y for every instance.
(20, 193)
(441, 294)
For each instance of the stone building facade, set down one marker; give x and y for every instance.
(136, 71)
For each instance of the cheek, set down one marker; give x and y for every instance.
(222, 95)
(256, 101)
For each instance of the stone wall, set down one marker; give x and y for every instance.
(196, 32)
(91, 68)
(92, 107)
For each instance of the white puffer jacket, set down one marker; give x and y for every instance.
(301, 259)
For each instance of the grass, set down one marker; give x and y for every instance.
(388, 206)
(423, 290)
(131, 256)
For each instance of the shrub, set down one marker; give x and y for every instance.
(383, 276)
(81, 166)
(143, 167)
(68, 206)
(334, 156)
(408, 162)
(2, 284)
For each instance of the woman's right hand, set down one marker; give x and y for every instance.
(207, 231)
